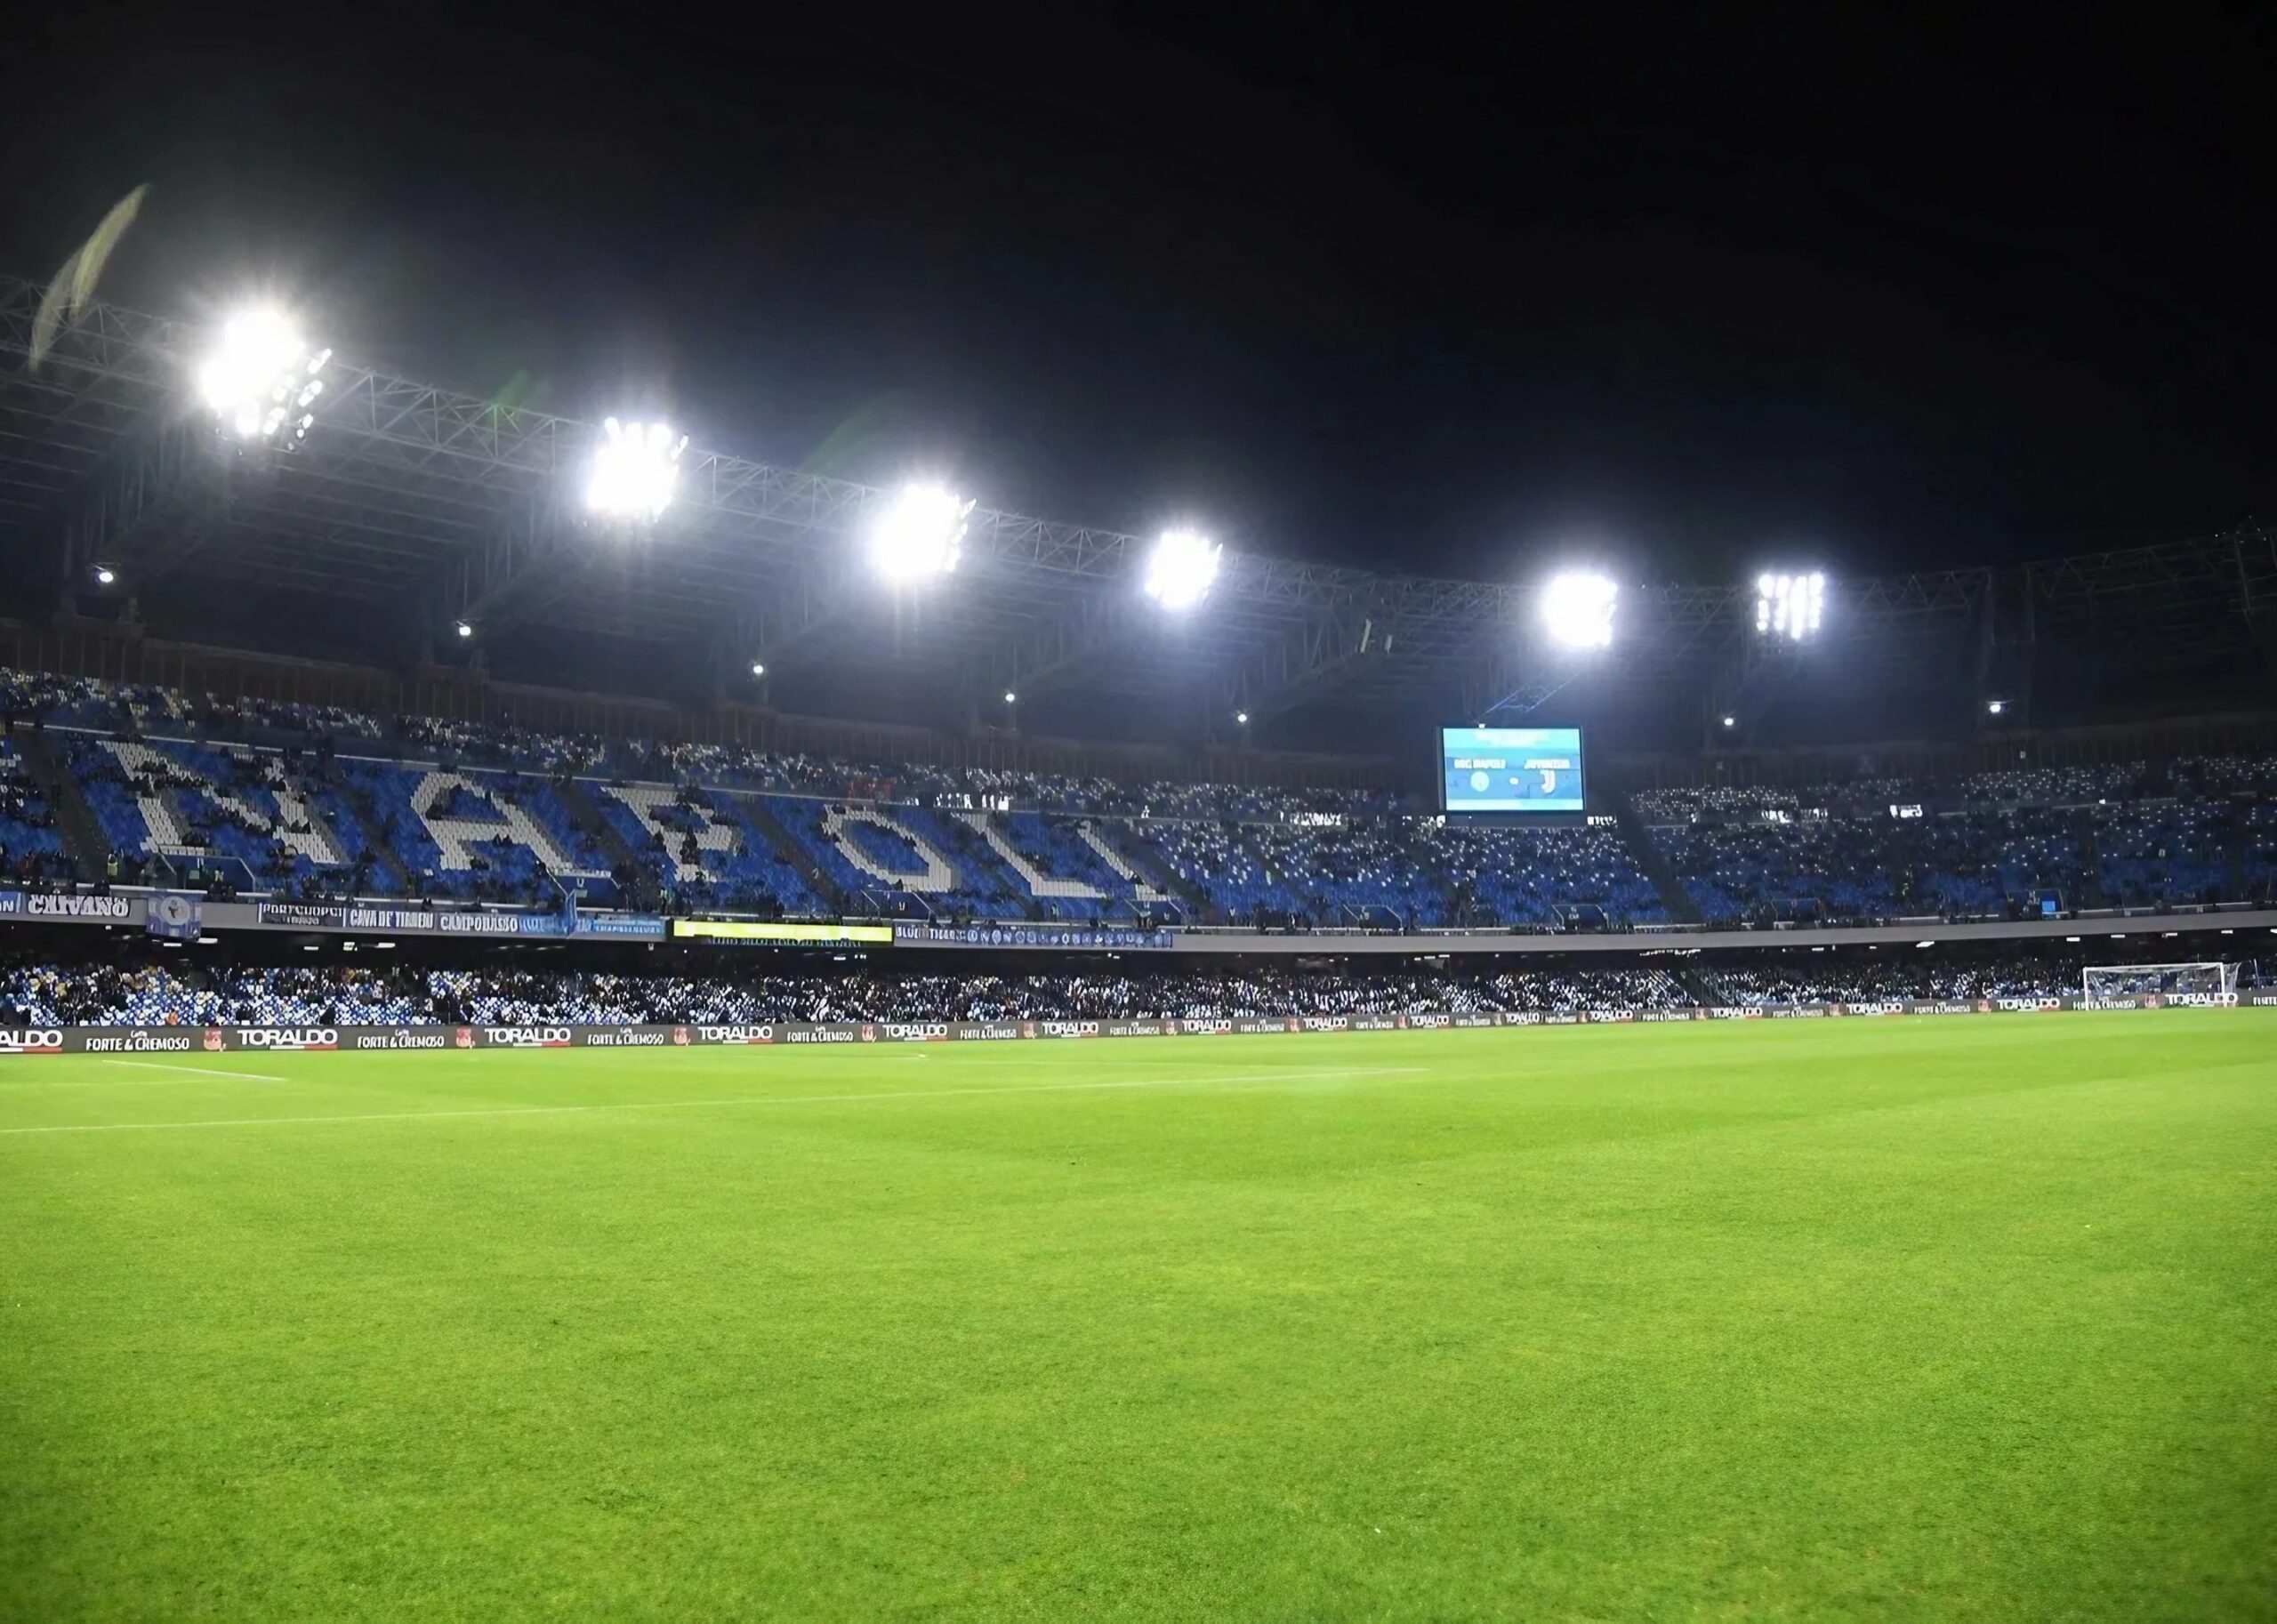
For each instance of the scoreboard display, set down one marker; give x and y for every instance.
(1510, 770)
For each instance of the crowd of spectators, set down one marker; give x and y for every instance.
(155, 988)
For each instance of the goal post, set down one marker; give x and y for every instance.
(2210, 979)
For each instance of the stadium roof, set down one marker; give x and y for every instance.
(410, 507)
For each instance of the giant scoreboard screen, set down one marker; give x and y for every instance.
(1510, 770)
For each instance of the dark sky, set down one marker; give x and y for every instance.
(1833, 282)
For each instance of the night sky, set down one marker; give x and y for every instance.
(1834, 283)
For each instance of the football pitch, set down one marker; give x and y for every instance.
(1965, 1318)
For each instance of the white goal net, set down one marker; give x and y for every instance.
(2211, 982)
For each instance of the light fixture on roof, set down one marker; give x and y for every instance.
(105, 575)
(261, 379)
(635, 471)
(1731, 721)
(1242, 717)
(1010, 698)
(463, 628)
(1789, 606)
(1182, 569)
(1577, 609)
(758, 668)
(1995, 707)
(919, 534)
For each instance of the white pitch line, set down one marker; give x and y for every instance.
(203, 1070)
(682, 1104)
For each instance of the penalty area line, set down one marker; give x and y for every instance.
(685, 1104)
(202, 1070)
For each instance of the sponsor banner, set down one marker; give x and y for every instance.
(1134, 938)
(176, 915)
(395, 1037)
(779, 933)
(216, 1040)
(34, 1040)
(12, 902)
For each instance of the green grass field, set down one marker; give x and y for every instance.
(1925, 1319)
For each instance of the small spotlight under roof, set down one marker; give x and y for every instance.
(463, 628)
(1242, 717)
(105, 575)
(920, 534)
(1010, 698)
(635, 469)
(758, 668)
(1789, 607)
(1577, 609)
(1182, 569)
(1995, 707)
(1731, 721)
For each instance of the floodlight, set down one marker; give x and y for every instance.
(463, 628)
(1010, 698)
(1731, 721)
(1789, 606)
(1181, 569)
(105, 575)
(758, 669)
(919, 534)
(1996, 706)
(636, 469)
(260, 380)
(1577, 609)
(1242, 717)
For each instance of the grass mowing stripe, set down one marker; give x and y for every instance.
(1198, 1081)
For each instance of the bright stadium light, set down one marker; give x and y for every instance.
(920, 534)
(635, 471)
(1010, 698)
(758, 668)
(1242, 718)
(1577, 609)
(463, 628)
(1994, 707)
(105, 575)
(1182, 569)
(1789, 606)
(1731, 721)
(261, 379)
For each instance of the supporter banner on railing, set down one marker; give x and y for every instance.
(84, 908)
(455, 921)
(225, 1040)
(1133, 938)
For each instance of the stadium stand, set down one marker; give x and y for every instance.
(306, 801)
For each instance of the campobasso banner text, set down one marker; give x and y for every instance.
(32, 1040)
